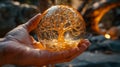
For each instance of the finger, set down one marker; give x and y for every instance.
(33, 22)
(60, 55)
(86, 41)
(33, 40)
(82, 49)
(38, 45)
(74, 53)
(63, 55)
(67, 55)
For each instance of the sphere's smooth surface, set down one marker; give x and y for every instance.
(60, 28)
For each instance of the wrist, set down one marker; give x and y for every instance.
(1, 51)
(3, 54)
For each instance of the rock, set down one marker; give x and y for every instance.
(13, 13)
(88, 59)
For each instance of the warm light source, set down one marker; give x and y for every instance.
(60, 28)
(107, 36)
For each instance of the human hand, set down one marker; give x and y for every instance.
(19, 48)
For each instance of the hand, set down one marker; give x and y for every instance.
(17, 47)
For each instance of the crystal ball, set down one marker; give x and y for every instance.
(60, 28)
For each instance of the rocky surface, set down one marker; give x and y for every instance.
(13, 13)
(88, 59)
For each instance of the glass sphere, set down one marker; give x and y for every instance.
(60, 28)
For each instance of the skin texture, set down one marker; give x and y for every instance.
(19, 48)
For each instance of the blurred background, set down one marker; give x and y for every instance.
(102, 19)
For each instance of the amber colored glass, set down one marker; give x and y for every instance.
(60, 28)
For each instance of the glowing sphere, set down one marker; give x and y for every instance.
(60, 28)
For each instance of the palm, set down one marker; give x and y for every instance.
(21, 36)
(20, 50)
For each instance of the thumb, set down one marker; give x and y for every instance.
(38, 45)
(33, 22)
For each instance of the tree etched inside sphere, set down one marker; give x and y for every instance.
(60, 28)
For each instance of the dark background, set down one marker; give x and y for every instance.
(102, 53)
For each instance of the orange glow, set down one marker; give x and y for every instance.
(107, 36)
(58, 31)
(99, 13)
